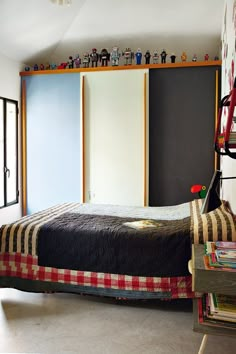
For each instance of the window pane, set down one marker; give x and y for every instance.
(1, 156)
(11, 149)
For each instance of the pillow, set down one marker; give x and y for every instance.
(218, 224)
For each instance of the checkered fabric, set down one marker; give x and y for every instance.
(26, 267)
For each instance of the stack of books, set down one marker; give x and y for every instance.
(220, 255)
(217, 310)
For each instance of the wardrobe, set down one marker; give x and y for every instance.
(138, 135)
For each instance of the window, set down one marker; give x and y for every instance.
(8, 152)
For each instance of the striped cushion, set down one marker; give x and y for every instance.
(218, 224)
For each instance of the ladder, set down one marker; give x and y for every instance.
(225, 140)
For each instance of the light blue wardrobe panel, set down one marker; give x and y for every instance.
(53, 140)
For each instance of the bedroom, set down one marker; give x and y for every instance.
(10, 87)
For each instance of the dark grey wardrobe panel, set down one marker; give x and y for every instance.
(181, 135)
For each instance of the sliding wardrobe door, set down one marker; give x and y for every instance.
(53, 171)
(183, 107)
(115, 121)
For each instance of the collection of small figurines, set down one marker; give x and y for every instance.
(104, 57)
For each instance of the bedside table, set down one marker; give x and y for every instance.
(209, 281)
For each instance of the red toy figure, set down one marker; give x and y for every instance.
(147, 57)
(128, 56)
(155, 57)
(206, 57)
(200, 189)
(173, 57)
(184, 57)
(41, 67)
(94, 57)
(104, 57)
(86, 60)
(62, 66)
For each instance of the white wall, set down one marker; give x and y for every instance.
(10, 88)
(228, 165)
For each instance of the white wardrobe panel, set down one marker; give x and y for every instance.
(114, 126)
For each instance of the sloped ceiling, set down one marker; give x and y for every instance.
(38, 31)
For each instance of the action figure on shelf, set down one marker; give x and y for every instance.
(36, 67)
(163, 56)
(53, 66)
(94, 57)
(194, 58)
(62, 66)
(138, 56)
(155, 57)
(104, 57)
(128, 56)
(172, 57)
(216, 57)
(206, 57)
(115, 56)
(71, 62)
(41, 67)
(77, 61)
(86, 60)
(27, 68)
(147, 57)
(184, 57)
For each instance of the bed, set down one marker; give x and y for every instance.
(102, 250)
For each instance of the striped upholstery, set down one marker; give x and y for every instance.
(218, 224)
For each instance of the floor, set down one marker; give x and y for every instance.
(69, 323)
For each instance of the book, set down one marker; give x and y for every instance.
(142, 224)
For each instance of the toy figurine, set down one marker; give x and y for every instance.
(94, 57)
(104, 57)
(86, 60)
(138, 56)
(147, 57)
(216, 57)
(163, 56)
(36, 67)
(194, 58)
(27, 68)
(115, 56)
(62, 66)
(47, 66)
(184, 57)
(53, 66)
(200, 189)
(155, 57)
(77, 61)
(71, 62)
(172, 57)
(206, 57)
(128, 56)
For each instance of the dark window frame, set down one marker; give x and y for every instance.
(5, 154)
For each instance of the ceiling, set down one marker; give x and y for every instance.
(38, 31)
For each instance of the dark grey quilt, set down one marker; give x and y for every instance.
(102, 243)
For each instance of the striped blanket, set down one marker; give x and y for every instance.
(218, 224)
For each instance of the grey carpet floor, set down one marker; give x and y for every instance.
(69, 323)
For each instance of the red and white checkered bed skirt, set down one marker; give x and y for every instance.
(26, 267)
